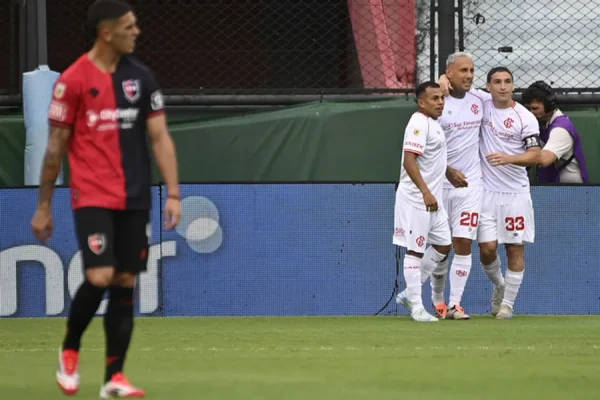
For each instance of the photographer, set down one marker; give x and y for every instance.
(562, 157)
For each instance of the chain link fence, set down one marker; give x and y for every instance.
(327, 46)
(262, 46)
(553, 40)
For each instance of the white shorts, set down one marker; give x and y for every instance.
(414, 228)
(463, 206)
(506, 218)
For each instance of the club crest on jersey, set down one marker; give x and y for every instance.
(97, 243)
(132, 89)
(59, 90)
(508, 123)
(475, 109)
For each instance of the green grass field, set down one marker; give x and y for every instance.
(321, 358)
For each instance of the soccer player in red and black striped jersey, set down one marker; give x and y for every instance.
(102, 106)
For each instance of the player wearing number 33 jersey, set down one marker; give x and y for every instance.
(509, 143)
(507, 214)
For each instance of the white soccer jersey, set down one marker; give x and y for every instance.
(461, 121)
(425, 137)
(503, 130)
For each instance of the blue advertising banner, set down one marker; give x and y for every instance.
(290, 249)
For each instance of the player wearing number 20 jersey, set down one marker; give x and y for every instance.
(461, 122)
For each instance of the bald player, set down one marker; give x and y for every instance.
(460, 121)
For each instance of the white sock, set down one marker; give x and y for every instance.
(430, 262)
(438, 282)
(513, 283)
(494, 273)
(412, 276)
(459, 274)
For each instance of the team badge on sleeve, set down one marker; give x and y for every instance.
(156, 100)
(416, 132)
(59, 90)
(132, 89)
(97, 243)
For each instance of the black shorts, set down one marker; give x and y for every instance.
(113, 238)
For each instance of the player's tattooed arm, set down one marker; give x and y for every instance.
(55, 152)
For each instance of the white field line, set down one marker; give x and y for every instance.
(313, 349)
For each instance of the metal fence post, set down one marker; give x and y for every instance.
(432, 34)
(446, 32)
(42, 41)
(32, 38)
(460, 9)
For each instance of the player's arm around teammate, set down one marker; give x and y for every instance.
(461, 122)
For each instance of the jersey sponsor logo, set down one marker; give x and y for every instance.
(59, 90)
(132, 89)
(157, 101)
(498, 133)
(91, 118)
(474, 108)
(97, 243)
(508, 123)
(462, 125)
(58, 111)
(414, 145)
(108, 119)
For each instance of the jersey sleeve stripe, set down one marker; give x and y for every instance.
(413, 151)
(59, 124)
(155, 113)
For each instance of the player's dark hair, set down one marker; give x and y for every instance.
(498, 69)
(422, 88)
(105, 10)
